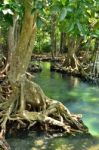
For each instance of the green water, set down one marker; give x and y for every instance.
(79, 97)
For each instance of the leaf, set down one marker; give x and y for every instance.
(69, 9)
(63, 2)
(6, 1)
(71, 27)
(83, 30)
(62, 26)
(39, 5)
(55, 8)
(39, 22)
(79, 26)
(7, 11)
(63, 14)
(9, 19)
(96, 33)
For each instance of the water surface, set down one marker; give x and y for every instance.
(80, 98)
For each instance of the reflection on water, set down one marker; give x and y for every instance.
(74, 143)
(79, 97)
(39, 142)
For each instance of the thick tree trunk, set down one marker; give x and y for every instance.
(21, 56)
(12, 37)
(19, 59)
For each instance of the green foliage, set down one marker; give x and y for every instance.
(8, 8)
(3, 31)
(42, 43)
(76, 18)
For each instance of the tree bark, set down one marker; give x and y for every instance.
(12, 37)
(71, 62)
(21, 56)
(53, 35)
(62, 42)
(95, 69)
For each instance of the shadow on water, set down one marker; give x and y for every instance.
(79, 97)
(38, 142)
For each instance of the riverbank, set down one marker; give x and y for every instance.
(46, 57)
(56, 65)
(86, 77)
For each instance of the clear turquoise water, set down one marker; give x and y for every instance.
(79, 97)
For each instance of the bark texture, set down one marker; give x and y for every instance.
(13, 34)
(63, 42)
(53, 35)
(72, 60)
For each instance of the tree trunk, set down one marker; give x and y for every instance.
(0, 45)
(71, 62)
(12, 37)
(21, 56)
(95, 69)
(62, 42)
(53, 35)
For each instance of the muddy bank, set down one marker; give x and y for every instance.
(46, 57)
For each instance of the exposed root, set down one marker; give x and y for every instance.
(28, 105)
(5, 70)
(3, 143)
(72, 66)
(6, 117)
